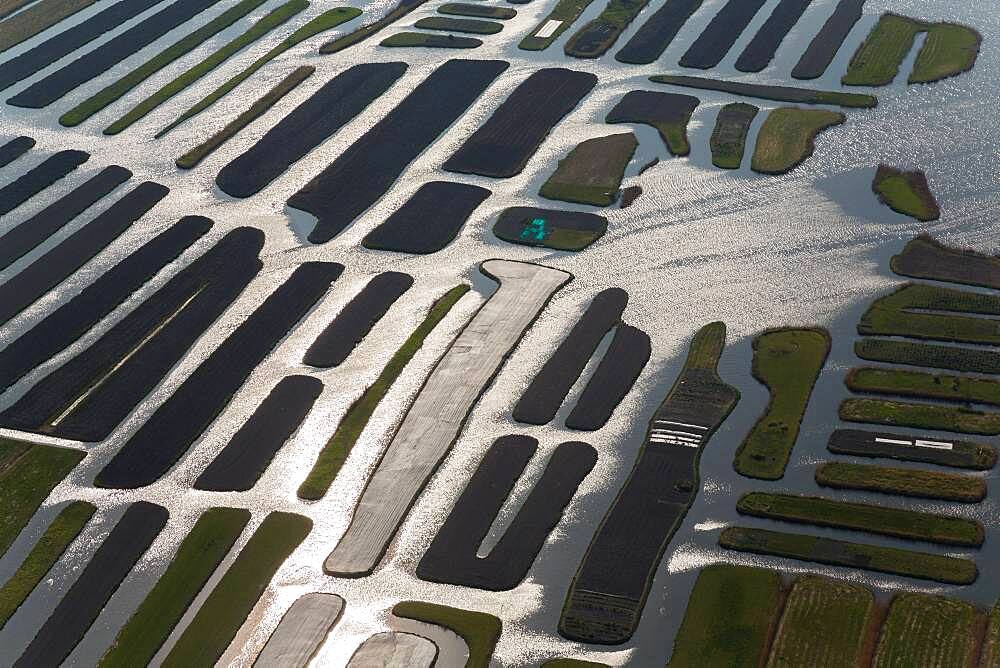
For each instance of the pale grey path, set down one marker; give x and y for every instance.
(435, 419)
(301, 631)
(393, 649)
(453, 652)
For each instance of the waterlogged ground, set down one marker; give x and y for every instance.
(807, 248)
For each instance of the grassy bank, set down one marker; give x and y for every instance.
(905, 482)
(909, 311)
(973, 360)
(411, 39)
(211, 538)
(776, 93)
(57, 537)
(364, 32)
(787, 362)
(920, 416)
(923, 630)
(729, 137)
(890, 560)
(924, 385)
(728, 618)
(479, 630)
(449, 24)
(787, 138)
(991, 646)
(906, 193)
(592, 172)
(896, 522)
(333, 455)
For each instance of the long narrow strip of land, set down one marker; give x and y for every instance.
(37, 179)
(777, 93)
(35, 19)
(301, 631)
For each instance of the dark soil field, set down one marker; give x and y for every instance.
(307, 126)
(721, 33)
(592, 172)
(561, 230)
(824, 46)
(612, 380)
(656, 34)
(501, 147)
(478, 11)
(352, 324)
(776, 93)
(363, 173)
(451, 557)
(419, 39)
(961, 454)
(14, 149)
(760, 51)
(669, 113)
(923, 257)
(451, 24)
(37, 179)
(729, 138)
(428, 221)
(243, 461)
(33, 20)
(596, 37)
(548, 389)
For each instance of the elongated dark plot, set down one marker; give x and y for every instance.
(615, 375)
(761, 49)
(721, 33)
(503, 145)
(669, 113)
(179, 421)
(548, 389)
(69, 40)
(307, 126)
(41, 16)
(552, 228)
(89, 395)
(49, 89)
(36, 180)
(428, 221)
(71, 320)
(452, 557)
(248, 454)
(14, 149)
(27, 235)
(356, 319)
(58, 264)
(81, 605)
(369, 167)
(906, 447)
(656, 34)
(824, 46)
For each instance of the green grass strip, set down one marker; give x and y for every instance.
(819, 550)
(64, 529)
(924, 630)
(924, 385)
(265, 25)
(334, 453)
(974, 360)
(904, 482)
(227, 607)
(28, 472)
(572, 663)
(728, 618)
(366, 31)
(191, 159)
(920, 416)
(896, 522)
(473, 26)
(479, 630)
(102, 99)
(565, 11)
(924, 311)
(991, 646)
(787, 362)
(198, 556)
(325, 21)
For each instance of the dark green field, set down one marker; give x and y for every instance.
(904, 482)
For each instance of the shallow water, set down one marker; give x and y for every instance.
(807, 248)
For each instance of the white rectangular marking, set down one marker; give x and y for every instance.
(548, 29)
(683, 424)
(664, 441)
(893, 441)
(937, 445)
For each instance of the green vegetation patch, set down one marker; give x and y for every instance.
(325, 21)
(919, 565)
(924, 385)
(227, 607)
(366, 31)
(198, 556)
(925, 257)
(274, 19)
(334, 453)
(925, 630)
(479, 630)
(730, 135)
(920, 416)
(103, 98)
(823, 625)
(28, 472)
(64, 529)
(896, 522)
(564, 13)
(923, 311)
(404, 39)
(905, 482)
(787, 138)
(191, 159)
(459, 25)
(764, 92)
(991, 646)
(787, 362)
(592, 172)
(596, 37)
(974, 360)
(949, 50)
(728, 618)
(479, 11)
(906, 193)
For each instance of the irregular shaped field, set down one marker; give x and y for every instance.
(904, 482)
(307, 126)
(302, 630)
(370, 166)
(501, 147)
(920, 565)
(394, 648)
(944, 452)
(777, 93)
(788, 363)
(554, 25)
(452, 556)
(14, 149)
(917, 384)
(428, 221)
(33, 20)
(923, 257)
(480, 631)
(600, 34)
(613, 379)
(786, 138)
(667, 112)
(923, 630)
(729, 137)
(975, 360)
(414, 39)
(659, 30)
(920, 416)
(592, 172)
(435, 417)
(906, 193)
(561, 230)
(929, 312)
(459, 25)
(364, 32)
(606, 598)
(824, 46)
(760, 51)
(37, 179)
(721, 33)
